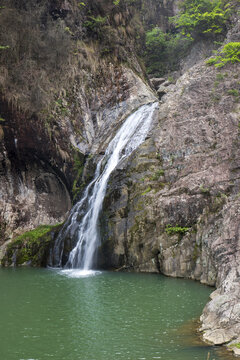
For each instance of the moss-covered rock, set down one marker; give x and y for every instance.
(31, 248)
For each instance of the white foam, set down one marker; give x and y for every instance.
(76, 273)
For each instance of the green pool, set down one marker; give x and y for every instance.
(49, 314)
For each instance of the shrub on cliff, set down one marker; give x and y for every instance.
(95, 24)
(229, 54)
(202, 17)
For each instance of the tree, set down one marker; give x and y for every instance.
(202, 17)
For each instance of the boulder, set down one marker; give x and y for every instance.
(156, 82)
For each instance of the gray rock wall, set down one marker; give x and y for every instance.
(186, 175)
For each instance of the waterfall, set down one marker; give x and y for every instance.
(82, 223)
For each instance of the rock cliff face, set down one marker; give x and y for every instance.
(173, 206)
(177, 208)
(37, 169)
(60, 101)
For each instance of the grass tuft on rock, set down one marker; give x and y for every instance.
(172, 230)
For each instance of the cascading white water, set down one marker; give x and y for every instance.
(131, 134)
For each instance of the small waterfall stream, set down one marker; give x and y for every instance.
(131, 134)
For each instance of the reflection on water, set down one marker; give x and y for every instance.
(47, 314)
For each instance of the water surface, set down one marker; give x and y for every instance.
(47, 314)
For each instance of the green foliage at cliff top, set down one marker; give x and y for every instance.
(202, 17)
(197, 18)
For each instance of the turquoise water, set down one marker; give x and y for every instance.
(45, 314)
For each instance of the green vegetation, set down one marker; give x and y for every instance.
(197, 18)
(67, 29)
(95, 23)
(158, 157)
(202, 17)
(62, 107)
(157, 174)
(163, 51)
(30, 246)
(81, 4)
(171, 79)
(35, 234)
(233, 92)
(219, 77)
(148, 189)
(203, 189)
(162, 185)
(229, 54)
(172, 230)
(237, 345)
